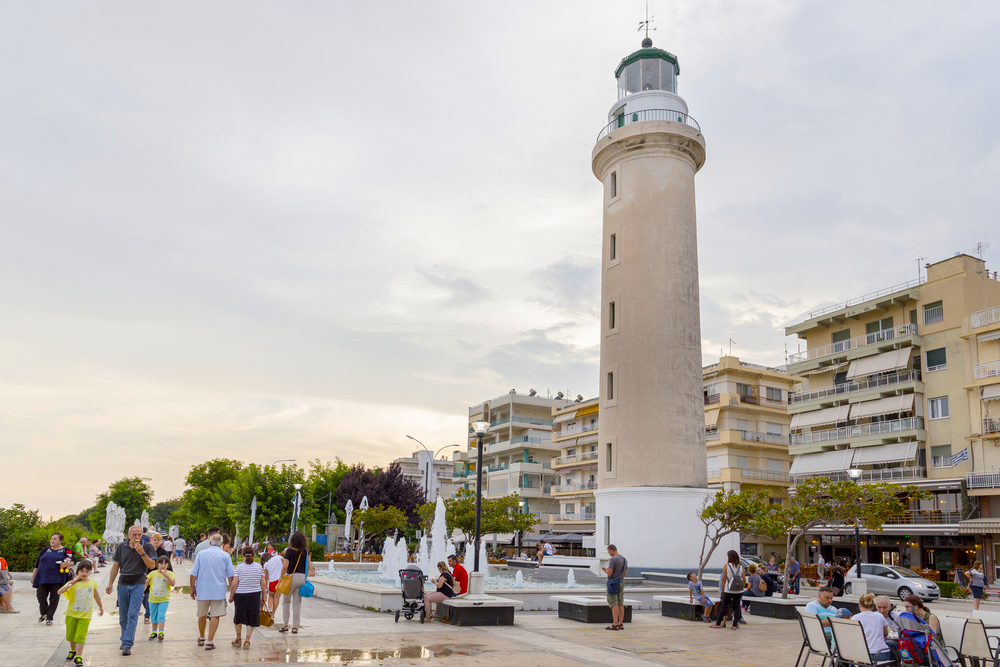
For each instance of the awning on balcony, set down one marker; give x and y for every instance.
(897, 452)
(892, 360)
(568, 417)
(883, 406)
(991, 392)
(824, 369)
(986, 337)
(835, 461)
(819, 417)
(711, 418)
(979, 527)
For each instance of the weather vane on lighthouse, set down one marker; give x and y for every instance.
(645, 24)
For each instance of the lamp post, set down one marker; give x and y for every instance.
(855, 475)
(476, 578)
(428, 466)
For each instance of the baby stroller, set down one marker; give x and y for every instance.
(411, 580)
(917, 644)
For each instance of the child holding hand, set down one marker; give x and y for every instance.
(81, 593)
(159, 582)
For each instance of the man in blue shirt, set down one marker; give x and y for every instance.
(823, 607)
(794, 572)
(210, 578)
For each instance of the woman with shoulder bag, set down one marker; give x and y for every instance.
(734, 582)
(295, 562)
(837, 581)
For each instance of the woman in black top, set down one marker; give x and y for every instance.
(295, 563)
(837, 581)
(445, 588)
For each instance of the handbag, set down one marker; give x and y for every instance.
(265, 618)
(614, 585)
(284, 585)
(307, 589)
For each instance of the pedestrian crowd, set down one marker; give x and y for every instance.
(142, 580)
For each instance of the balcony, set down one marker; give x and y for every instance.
(853, 387)
(762, 400)
(988, 370)
(575, 516)
(711, 399)
(867, 297)
(644, 115)
(983, 480)
(712, 435)
(986, 317)
(514, 443)
(757, 436)
(714, 473)
(859, 431)
(768, 475)
(991, 425)
(525, 466)
(926, 517)
(574, 458)
(843, 346)
(578, 486)
(575, 430)
(878, 475)
(532, 421)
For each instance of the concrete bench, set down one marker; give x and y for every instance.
(478, 610)
(680, 606)
(590, 608)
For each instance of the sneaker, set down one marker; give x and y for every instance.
(77, 661)
(152, 637)
(127, 651)
(160, 636)
(72, 654)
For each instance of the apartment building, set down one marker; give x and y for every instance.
(746, 434)
(892, 387)
(517, 452)
(575, 469)
(435, 476)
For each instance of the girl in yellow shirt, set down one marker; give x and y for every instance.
(81, 593)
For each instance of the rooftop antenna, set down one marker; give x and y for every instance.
(918, 260)
(731, 343)
(644, 25)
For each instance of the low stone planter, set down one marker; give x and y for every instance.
(590, 609)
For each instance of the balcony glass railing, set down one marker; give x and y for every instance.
(768, 475)
(853, 387)
(578, 486)
(878, 475)
(988, 370)
(533, 421)
(858, 431)
(575, 516)
(986, 317)
(873, 338)
(576, 429)
(574, 458)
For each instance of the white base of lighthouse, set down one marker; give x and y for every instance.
(656, 527)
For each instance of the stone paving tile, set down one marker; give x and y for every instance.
(338, 634)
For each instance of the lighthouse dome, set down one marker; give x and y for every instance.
(647, 69)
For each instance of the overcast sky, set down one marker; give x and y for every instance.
(298, 230)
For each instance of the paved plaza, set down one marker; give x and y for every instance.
(339, 634)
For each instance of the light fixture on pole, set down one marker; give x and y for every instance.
(855, 475)
(283, 461)
(476, 581)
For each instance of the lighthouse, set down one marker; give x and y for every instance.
(651, 456)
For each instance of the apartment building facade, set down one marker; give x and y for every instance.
(889, 388)
(746, 434)
(435, 476)
(575, 432)
(517, 453)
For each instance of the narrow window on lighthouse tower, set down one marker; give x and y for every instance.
(614, 247)
(614, 184)
(611, 315)
(611, 386)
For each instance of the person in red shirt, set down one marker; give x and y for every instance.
(460, 574)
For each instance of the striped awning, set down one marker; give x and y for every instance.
(991, 392)
(883, 406)
(979, 527)
(823, 369)
(892, 360)
(832, 461)
(832, 415)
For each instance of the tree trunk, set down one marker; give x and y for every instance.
(790, 542)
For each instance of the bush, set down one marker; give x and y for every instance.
(317, 551)
(21, 549)
(950, 589)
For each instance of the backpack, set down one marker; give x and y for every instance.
(734, 583)
(910, 653)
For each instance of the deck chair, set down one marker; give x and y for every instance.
(852, 646)
(813, 640)
(976, 645)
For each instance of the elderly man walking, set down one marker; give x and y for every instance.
(133, 559)
(210, 578)
(617, 570)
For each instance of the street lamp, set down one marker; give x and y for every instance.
(480, 430)
(428, 466)
(282, 461)
(855, 475)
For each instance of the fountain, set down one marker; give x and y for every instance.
(519, 579)
(570, 578)
(388, 558)
(422, 556)
(439, 535)
(329, 567)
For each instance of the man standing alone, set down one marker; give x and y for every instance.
(210, 578)
(821, 567)
(134, 559)
(617, 570)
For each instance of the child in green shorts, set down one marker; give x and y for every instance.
(80, 594)
(159, 581)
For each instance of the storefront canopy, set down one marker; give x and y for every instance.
(892, 360)
(979, 527)
(821, 417)
(883, 406)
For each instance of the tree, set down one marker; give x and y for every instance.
(131, 493)
(819, 502)
(160, 513)
(324, 479)
(379, 520)
(274, 489)
(206, 500)
(728, 512)
(498, 515)
(388, 487)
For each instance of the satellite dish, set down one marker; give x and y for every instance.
(532, 392)
(579, 397)
(559, 395)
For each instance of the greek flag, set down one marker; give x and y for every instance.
(961, 456)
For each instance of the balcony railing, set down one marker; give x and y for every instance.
(859, 341)
(866, 297)
(991, 425)
(578, 486)
(988, 370)
(575, 516)
(534, 421)
(644, 115)
(712, 435)
(586, 428)
(574, 458)
(757, 436)
(714, 473)
(983, 480)
(858, 431)
(986, 317)
(711, 398)
(933, 315)
(878, 475)
(854, 387)
(769, 475)
(926, 516)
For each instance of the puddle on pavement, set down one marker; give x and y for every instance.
(350, 656)
(186, 590)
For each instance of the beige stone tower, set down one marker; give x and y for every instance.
(652, 450)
